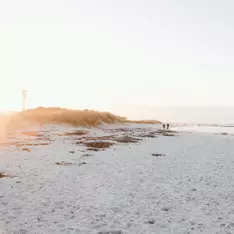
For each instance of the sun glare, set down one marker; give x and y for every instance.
(11, 100)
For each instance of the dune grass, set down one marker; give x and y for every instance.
(43, 115)
(73, 117)
(85, 118)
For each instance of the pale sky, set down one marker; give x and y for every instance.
(110, 53)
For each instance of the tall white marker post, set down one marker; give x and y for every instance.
(24, 92)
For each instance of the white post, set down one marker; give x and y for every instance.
(23, 98)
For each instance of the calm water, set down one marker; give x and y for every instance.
(196, 115)
(204, 128)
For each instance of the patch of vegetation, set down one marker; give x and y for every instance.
(168, 134)
(63, 163)
(93, 149)
(99, 138)
(4, 175)
(158, 155)
(83, 163)
(99, 144)
(75, 133)
(127, 139)
(26, 149)
(147, 135)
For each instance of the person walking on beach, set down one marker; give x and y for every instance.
(168, 126)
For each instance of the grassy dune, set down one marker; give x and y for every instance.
(84, 118)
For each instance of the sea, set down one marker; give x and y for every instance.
(203, 119)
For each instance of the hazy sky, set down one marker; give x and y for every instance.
(106, 53)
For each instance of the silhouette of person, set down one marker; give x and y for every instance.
(168, 125)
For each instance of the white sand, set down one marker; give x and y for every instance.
(124, 188)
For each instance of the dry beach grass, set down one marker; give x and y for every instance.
(41, 115)
(60, 115)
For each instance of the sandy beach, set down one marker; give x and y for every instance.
(144, 182)
(116, 117)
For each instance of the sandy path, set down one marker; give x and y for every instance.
(190, 190)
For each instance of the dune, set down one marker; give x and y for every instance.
(74, 117)
(55, 115)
